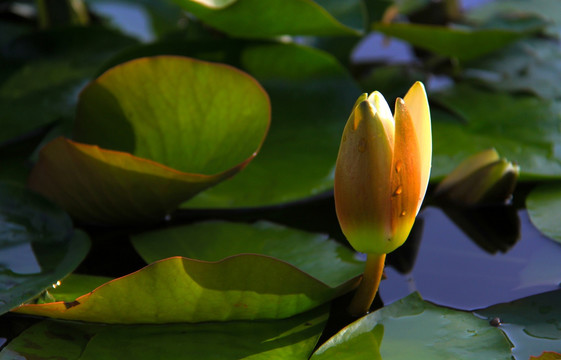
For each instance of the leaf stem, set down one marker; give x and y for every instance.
(368, 287)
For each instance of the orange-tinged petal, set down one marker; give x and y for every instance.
(418, 107)
(385, 113)
(362, 187)
(405, 177)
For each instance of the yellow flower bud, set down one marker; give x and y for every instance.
(382, 170)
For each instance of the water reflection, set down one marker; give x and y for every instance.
(452, 270)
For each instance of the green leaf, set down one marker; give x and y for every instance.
(544, 205)
(47, 71)
(461, 43)
(549, 11)
(292, 338)
(531, 66)
(531, 324)
(258, 19)
(293, 164)
(415, 329)
(332, 264)
(243, 287)
(523, 129)
(298, 158)
(38, 245)
(188, 125)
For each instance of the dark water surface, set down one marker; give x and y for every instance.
(452, 270)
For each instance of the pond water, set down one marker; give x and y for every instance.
(451, 269)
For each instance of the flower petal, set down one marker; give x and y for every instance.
(362, 190)
(418, 107)
(405, 176)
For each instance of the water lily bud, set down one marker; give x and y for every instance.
(382, 170)
(481, 178)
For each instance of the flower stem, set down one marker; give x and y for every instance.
(366, 291)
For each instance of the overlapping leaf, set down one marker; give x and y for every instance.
(258, 19)
(531, 324)
(414, 329)
(523, 129)
(44, 71)
(38, 245)
(292, 338)
(315, 254)
(461, 43)
(243, 287)
(168, 128)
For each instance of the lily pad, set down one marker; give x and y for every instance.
(523, 129)
(257, 19)
(531, 66)
(292, 338)
(415, 329)
(332, 263)
(243, 287)
(214, 118)
(531, 324)
(48, 69)
(544, 205)
(38, 245)
(461, 43)
(293, 164)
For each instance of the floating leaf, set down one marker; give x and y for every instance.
(461, 43)
(214, 118)
(48, 70)
(531, 65)
(257, 19)
(523, 129)
(415, 329)
(243, 287)
(292, 338)
(38, 245)
(544, 206)
(531, 324)
(333, 264)
(292, 164)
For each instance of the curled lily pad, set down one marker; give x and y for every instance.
(243, 287)
(165, 124)
(38, 245)
(257, 19)
(415, 329)
(292, 338)
(332, 263)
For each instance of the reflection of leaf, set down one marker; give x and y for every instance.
(214, 122)
(292, 339)
(416, 329)
(333, 264)
(243, 287)
(532, 324)
(38, 245)
(523, 129)
(461, 43)
(258, 19)
(544, 207)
